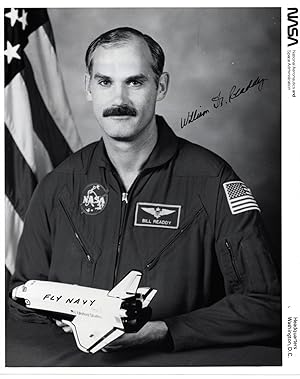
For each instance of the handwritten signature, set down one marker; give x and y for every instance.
(192, 116)
(219, 100)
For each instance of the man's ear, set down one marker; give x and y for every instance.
(87, 84)
(163, 86)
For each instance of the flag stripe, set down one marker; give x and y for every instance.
(19, 178)
(43, 124)
(241, 203)
(41, 55)
(19, 122)
(245, 209)
(240, 198)
(243, 206)
(13, 231)
(48, 30)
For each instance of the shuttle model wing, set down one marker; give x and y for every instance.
(97, 317)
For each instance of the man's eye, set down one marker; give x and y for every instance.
(104, 83)
(134, 83)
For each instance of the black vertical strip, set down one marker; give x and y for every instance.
(48, 30)
(43, 124)
(20, 181)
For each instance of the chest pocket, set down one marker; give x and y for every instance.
(76, 242)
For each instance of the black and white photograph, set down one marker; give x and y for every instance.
(143, 172)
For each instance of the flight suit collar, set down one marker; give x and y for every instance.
(164, 150)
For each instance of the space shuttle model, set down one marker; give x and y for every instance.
(97, 317)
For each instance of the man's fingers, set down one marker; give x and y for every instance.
(65, 327)
(115, 345)
(111, 349)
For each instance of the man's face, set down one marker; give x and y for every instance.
(123, 90)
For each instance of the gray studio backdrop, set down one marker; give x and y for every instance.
(207, 50)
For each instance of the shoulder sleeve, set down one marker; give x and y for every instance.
(241, 245)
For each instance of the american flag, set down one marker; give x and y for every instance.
(39, 128)
(239, 197)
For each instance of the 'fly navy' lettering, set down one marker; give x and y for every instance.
(69, 300)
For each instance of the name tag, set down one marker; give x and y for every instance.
(157, 215)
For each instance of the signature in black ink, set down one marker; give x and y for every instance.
(192, 116)
(218, 101)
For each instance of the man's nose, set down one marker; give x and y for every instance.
(120, 95)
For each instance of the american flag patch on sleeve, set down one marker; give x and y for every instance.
(239, 197)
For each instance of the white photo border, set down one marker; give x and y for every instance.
(290, 209)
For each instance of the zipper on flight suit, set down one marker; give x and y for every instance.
(124, 202)
(183, 229)
(228, 247)
(125, 198)
(77, 236)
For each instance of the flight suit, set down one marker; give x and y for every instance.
(188, 223)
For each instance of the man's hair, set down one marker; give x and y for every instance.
(124, 34)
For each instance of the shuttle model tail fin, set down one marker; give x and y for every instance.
(127, 286)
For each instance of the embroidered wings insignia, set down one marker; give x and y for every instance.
(158, 212)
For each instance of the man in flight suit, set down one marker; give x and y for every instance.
(142, 198)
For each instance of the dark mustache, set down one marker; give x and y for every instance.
(121, 110)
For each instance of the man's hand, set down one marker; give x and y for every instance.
(153, 332)
(66, 328)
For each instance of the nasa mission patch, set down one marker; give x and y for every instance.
(93, 199)
(157, 215)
